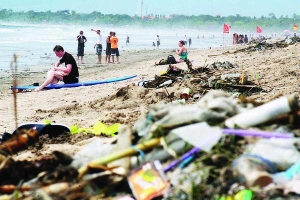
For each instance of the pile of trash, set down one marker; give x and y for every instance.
(218, 75)
(219, 147)
(261, 44)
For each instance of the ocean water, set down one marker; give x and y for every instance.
(33, 43)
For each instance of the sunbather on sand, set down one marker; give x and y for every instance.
(182, 52)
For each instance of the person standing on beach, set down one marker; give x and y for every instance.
(108, 48)
(80, 50)
(69, 74)
(114, 47)
(98, 45)
(190, 41)
(246, 40)
(235, 39)
(185, 40)
(157, 41)
(127, 40)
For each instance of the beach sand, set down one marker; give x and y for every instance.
(122, 102)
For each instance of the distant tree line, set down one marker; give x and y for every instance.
(200, 21)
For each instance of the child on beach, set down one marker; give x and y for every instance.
(69, 74)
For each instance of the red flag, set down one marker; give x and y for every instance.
(295, 27)
(226, 28)
(258, 29)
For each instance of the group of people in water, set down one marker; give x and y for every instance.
(187, 41)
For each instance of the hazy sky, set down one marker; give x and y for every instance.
(187, 7)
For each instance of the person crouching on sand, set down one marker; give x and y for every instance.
(69, 74)
(182, 52)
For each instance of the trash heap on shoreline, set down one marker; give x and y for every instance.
(218, 75)
(220, 147)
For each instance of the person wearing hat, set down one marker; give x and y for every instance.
(80, 50)
(98, 45)
(182, 52)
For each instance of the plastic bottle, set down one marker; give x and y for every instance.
(254, 170)
(264, 112)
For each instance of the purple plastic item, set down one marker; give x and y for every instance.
(183, 157)
(265, 134)
(240, 132)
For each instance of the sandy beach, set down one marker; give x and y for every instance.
(83, 106)
(275, 71)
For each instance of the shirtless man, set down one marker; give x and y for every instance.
(69, 74)
(108, 48)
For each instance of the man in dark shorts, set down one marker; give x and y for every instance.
(98, 45)
(69, 74)
(81, 40)
(108, 48)
(114, 48)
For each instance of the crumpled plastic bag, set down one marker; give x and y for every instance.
(281, 152)
(91, 151)
(215, 105)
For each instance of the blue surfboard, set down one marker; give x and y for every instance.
(87, 83)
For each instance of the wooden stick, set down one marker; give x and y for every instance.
(14, 74)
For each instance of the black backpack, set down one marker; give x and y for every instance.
(171, 60)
